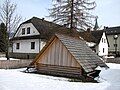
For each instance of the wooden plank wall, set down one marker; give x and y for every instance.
(57, 54)
(59, 70)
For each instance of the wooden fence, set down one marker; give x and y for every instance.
(11, 64)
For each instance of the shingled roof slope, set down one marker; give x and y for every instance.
(88, 59)
(98, 35)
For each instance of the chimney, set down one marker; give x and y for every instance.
(43, 19)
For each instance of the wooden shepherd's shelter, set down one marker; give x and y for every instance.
(67, 56)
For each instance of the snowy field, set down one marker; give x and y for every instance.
(14, 79)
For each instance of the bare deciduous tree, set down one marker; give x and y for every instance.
(73, 13)
(11, 20)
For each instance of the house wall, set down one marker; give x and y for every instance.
(57, 54)
(33, 30)
(25, 50)
(103, 46)
(112, 42)
(25, 46)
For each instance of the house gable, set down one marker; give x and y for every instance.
(97, 40)
(57, 54)
(32, 30)
(103, 45)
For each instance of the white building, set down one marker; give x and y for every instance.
(31, 36)
(97, 41)
(113, 35)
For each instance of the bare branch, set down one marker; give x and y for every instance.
(10, 19)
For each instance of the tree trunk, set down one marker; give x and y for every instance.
(71, 25)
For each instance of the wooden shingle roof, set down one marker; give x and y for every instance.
(82, 53)
(79, 50)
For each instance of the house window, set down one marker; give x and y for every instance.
(32, 45)
(102, 40)
(17, 45)
(28, 30)
(103, 50)
(23, 31)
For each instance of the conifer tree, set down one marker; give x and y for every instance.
(2, 37)
(74, 14)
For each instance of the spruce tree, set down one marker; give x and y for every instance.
(74, 14)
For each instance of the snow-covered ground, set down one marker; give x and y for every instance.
(14, 79)
(3, 58)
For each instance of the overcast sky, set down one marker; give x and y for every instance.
(108, 11)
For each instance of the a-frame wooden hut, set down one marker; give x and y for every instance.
(67, 56)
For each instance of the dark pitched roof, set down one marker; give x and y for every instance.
(98, 35)
(46, 28)
(80, 51)
(112, 30)
(92, 36)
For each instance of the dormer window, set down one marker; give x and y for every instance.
(23, 31)
(28, 30)
(104, 41)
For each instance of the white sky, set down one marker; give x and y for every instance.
(108, 11)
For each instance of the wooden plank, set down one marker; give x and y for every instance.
(59, 69)
(53, 54)
(38, 58)
(57, 48)
(49, 55)
(60, 53)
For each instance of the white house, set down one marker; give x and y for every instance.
(31, 36)
(102, 48)
(113, 34)
(97, 41)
